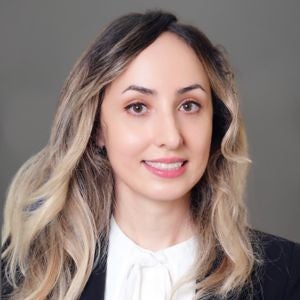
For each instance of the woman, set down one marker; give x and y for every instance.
(139, 192)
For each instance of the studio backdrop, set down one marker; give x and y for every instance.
(40, 41)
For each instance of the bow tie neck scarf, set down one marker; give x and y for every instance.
(135, 273)
(148, 278)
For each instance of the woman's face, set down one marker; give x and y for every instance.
(159, 108)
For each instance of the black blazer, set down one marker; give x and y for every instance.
(277, 279)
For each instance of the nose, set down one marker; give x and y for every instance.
(168, 132)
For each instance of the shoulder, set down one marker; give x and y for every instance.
(275, 247)
(278, 275)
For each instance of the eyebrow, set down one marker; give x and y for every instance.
(147, 91)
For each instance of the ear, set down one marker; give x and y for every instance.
(100, 140)
(100, 133)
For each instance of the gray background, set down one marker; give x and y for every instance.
(40, 41)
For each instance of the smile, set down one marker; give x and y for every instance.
(166, 170)
(165, 166)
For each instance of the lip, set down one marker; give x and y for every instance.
(167, 160)
(166, 173)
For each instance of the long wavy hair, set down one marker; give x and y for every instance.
(59, 204)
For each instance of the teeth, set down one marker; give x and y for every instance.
(164, 166)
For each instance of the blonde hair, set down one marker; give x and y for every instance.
(59, 204)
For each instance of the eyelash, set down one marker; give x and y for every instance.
(128, 107)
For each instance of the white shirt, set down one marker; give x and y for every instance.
(135, 273)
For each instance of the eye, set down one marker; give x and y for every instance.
(190, 106)
(136, 108)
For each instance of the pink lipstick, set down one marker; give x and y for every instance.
(167, 167)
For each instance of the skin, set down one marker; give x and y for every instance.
(151, 210)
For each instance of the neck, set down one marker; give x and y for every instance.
(154, 224)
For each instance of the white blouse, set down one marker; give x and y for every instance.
(135, 273)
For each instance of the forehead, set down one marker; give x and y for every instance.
(167, 63)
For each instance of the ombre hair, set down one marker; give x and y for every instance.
(59, 204)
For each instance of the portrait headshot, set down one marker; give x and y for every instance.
(150, 150)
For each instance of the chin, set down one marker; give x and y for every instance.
(167, 194)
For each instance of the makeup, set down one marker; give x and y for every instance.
(166, 170)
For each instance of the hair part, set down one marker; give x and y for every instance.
(59, 204)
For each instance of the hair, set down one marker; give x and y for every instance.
(59, 204)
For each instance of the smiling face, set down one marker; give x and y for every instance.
(160, 107)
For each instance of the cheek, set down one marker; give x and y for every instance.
(123, 141)
(198, 136)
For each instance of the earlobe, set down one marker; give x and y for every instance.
(100, 136)
(101, 145)
(100, 141)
